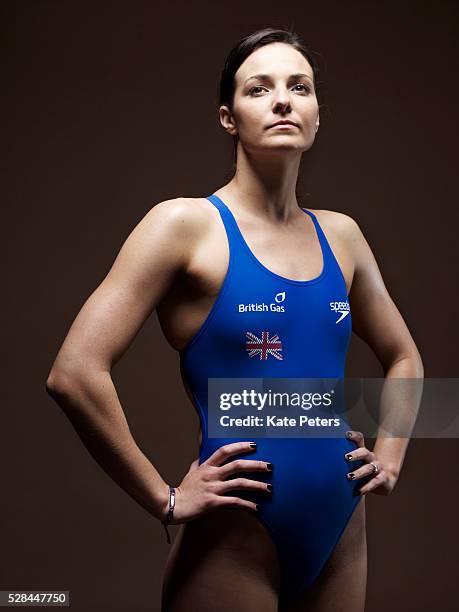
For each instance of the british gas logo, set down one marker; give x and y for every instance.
(275, 306)
(280, 297)
(341, 308)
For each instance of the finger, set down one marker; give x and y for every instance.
(194, 466)
(237, 484)
(375, 482)
(361, 472)
(244, 465)
(235, 502)
(357, 437)
(228, 450)
(359, 454)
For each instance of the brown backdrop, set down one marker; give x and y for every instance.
(111, 108)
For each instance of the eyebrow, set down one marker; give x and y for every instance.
(267, 77)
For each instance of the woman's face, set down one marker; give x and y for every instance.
(274, 83)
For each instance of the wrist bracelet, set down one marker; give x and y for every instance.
(170, 512)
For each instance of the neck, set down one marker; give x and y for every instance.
(265, 184)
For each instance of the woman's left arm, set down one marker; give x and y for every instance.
(378, 322)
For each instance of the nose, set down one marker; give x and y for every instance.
(282, 101)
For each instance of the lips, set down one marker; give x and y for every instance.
(284, 123)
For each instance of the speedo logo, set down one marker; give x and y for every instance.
(274, 306)
(342, 308)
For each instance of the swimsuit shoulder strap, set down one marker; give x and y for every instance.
(326, 248)
(232, 231)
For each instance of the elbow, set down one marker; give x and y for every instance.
(65, 380)
(55, 383)
(60, 382)
(411, 365)
(418, 365)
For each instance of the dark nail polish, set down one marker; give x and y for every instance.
(348, 434)
(269, 487)
(351, 476)
(348, 457)
(253, 445)
(257, 507)
(270, 466)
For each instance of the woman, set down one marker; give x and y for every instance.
(279, 520)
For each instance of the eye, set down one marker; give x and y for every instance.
(255, 87)
(306, 87)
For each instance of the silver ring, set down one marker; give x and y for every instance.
(375, 466)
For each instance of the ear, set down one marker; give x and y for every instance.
(227, 120)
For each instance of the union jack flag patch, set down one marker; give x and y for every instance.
(264, 346)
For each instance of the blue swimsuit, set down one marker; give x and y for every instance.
(312, 499)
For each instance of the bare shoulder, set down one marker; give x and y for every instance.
(347, 232)
(338, 223)
(340, 227)
(167, 235)
(176, 226)
(182, 215)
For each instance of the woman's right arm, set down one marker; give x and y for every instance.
(154, 253)
(157, 250)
